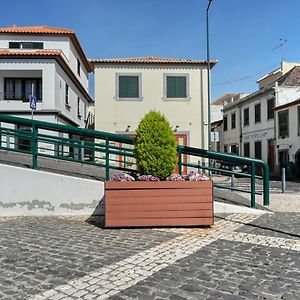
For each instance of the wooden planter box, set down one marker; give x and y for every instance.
(165, 203)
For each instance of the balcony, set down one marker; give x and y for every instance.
(17, 97)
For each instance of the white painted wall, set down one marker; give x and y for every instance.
(27, 68)
(33, 193)
(114, 115)
(292, 142)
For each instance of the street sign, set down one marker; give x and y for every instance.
(32, 102)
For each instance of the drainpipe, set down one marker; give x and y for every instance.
(275, 132)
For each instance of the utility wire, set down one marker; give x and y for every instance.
(245, 77)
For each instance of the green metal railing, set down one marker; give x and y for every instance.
(115, 152)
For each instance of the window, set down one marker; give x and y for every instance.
(78, 67)
(128, 86)
(234, 149)
(271, 104)
(246, 116)
(299, 120)
(225, 148)
(176, 86)
(67, 96)
(78, 107)
(258, 149)
(225, 123)
(257, 113)
(283, 124)
(85, 111)
(22, 88)
(232, 120)
(247, 149)
(26, 45)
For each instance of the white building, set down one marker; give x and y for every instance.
(131, 87)
(287, 130)
(248, 124)
(50, 64)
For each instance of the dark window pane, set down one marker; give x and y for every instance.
(128, 87)
(247, 149)
(14, 45)
(258, 150)
(233, 121)
(67, 94)
(78, 67)
(38, 45)
(225, 123)
(257, 113)
(271, 104)
(283, 123)
(246, 116)
(176, 87)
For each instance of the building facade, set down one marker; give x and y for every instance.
(49, 64)
(254, 134)
(287, 128)
(127, 89)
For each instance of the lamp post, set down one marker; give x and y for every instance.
(208, 74)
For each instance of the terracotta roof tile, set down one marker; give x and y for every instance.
(291, 78)
(7, 52)
(48, 30)
(151, 60)
(36, 29)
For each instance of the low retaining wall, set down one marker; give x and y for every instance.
(26, 192)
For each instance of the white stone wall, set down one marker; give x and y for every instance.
(292, 142)
(34, 193)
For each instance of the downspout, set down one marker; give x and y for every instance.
(275, 122)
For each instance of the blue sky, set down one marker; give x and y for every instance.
(243, 32)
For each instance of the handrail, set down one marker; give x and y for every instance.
(114, 151)
(252, 162)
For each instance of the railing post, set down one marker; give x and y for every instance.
(266, 185)
(253, 185)
(106, 158)
(179, 161)
(34, 146)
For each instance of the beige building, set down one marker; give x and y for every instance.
(127, 89)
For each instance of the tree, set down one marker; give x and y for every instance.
(155, 146)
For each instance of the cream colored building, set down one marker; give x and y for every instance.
(127, 89)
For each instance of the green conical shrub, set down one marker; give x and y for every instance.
(155, 146)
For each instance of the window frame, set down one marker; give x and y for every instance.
(270, 112)
(78, 67)
(21, 44)
(257, 105)
(139, 75)
(286, 111)
(248, 120)
(187, 87)
(248, 148)
(255, 143)
(225, 117)
(67, 96)
(38, 88)
(78, 108)
(233, 114)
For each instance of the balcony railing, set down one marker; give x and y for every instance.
(23, 97)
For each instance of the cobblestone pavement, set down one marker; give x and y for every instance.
(241, 257)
